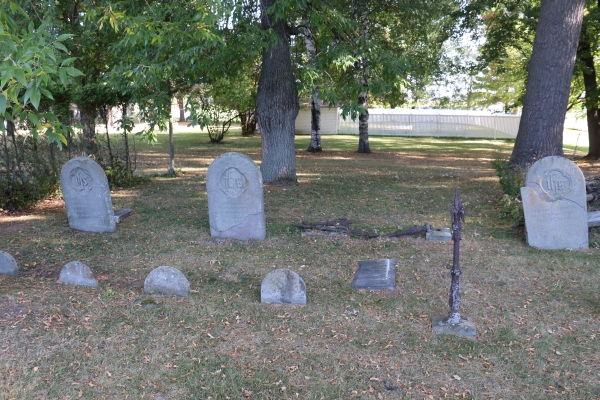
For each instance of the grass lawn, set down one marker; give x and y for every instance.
(537, 312)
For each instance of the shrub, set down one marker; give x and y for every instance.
(511, 178)
(118, 157)
(511, 181)
(29, 170)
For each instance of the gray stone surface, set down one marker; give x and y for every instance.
(8, 265)
(167, 280)
(440, 234)
(465, 328)
(555, 206)
(77, 273)
(234, 190)
(122, 214)
(593, 219)
(375, 274)
(87, 196)
(283, 286)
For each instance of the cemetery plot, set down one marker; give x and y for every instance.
(531, 307)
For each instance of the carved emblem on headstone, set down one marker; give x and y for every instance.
(556, 183)
(233, 182)
(81, 181)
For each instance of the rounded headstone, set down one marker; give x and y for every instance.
(283, 286)
(234, 190)
(8, 265)
(167, 280)
(77, 273)
(87, 196)
(555, 206)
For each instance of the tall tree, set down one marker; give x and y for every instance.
(549, 81)
(376, 48)
(277, 102)
(509, 29)
(165, 49)
(586, 55)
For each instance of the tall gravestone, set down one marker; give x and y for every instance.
(555, 206)
(234, 189)
(87, 196)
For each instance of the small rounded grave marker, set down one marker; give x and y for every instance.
(167, 280)
(283, 286)
(8, 265)
(77, 273)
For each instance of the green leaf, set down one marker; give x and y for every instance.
(73, 71)
(62, 74)
(6, 76)
(68, 61)
(27, 95)
(2, 103)
(35, 97)
(60, 46)
(19, 74)
(64, 36)
(33, 118)
(46, 93)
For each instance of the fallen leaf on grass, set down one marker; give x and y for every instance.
(456, 377)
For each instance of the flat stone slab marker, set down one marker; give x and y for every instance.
(375, 274)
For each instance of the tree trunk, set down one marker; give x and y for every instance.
(171, 148)
(88, 124)
(315, 106)
(315, 124)
(126, 142)
(181, 109)
(549, 80)
(363, 125)
(363, 98)
(277, 103)
(105, 111)
(248, 122)
(584, 53)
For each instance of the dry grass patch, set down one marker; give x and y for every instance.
(537, 312)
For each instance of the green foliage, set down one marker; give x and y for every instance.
(33, 60)
(120, 176)
(511, 178)
(119, 161)
(377, 47)
(29, 171)
(164, 52)
(511, 181)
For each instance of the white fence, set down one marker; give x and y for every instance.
(446, 123)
